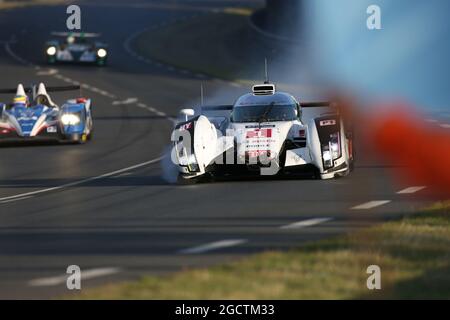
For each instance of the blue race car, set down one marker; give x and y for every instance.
(42, 119)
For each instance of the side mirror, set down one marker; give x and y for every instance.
(187, 113)
(299, 112)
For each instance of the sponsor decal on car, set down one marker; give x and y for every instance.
(259, 133)
(257, 153)
(330, 122)
(186, 126)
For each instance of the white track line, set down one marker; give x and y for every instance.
(370, 205)
(15, 56)
(213, 246)
(411, 190)
(161, 114)
(168, 67)
(126, 101)
(446, 126)
(49, 72)
(17, 199)
(305, 223)
(77, 183)
(125, 174)
(85, 275)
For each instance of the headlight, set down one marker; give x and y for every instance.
(101, 53)
(335, 145)
(70, 119)
(332, 151)
(192, 163)
(51, 51)
(189, 161)
(327, 159)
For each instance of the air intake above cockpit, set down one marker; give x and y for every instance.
(263, 89)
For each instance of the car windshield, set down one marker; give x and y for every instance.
(76, 40)
(260, 113)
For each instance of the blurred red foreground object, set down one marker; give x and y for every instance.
(403, 137)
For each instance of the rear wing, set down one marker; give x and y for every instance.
(216, 111)
(63, 88)
(76, 34)
(319, 104)
(217, 108)
(49, 89)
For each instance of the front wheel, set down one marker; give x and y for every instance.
(101, 63)
(79, 138)
(185, 181)
(198, 179)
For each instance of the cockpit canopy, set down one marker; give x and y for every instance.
(278, 106)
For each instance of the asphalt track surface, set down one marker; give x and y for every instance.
(112, 212)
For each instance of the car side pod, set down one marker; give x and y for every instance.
(197, 151)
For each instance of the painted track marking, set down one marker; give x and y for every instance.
(411, 189)
(16, 199)
(55, 73)
(370, 205)
(305, 223)
(126, 101)
(85, 275)
(80, 182)
(213, 246)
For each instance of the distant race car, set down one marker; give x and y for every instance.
(76, 47)
(39, 118)
(263, 132)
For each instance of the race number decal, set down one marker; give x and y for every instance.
(330, 122)
(259, 133)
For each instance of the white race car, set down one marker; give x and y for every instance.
(76, 48)
(264, 132)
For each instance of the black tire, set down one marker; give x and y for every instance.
(77, 138)
(342, 174)
(186, 182)
(101, 63)
(351, 165)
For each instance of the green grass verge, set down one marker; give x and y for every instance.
(217, 44)
(413, 254)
